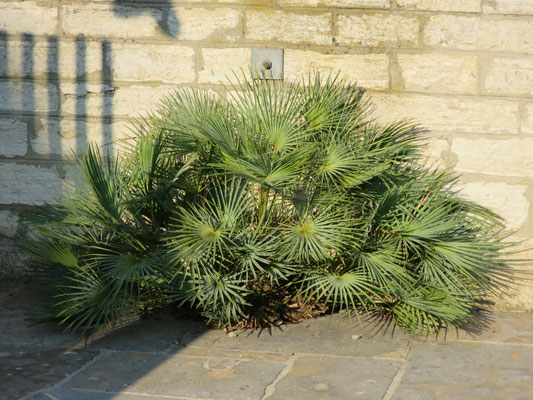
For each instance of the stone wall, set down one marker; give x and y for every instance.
(76, 71)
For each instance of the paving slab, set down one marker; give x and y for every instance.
(467, 371)
(175, 375)
(16, 329)
(177, 357)
(166, 333)
(332, 378)
(76, 394)
(24, 369)
(325, 335)
(502, 328)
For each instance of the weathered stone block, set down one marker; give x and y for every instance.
(510, 76)
(29, 184)
(49, 57)
(83, 59)
(377, 30)
(148, 62)
(30, 17)
(281, 26)
(113, 20)
(219, 24)
(434, 150)
(508, 7)
(508, 157)
(63, 137)
(28, 96)
(99, 101)
(23, 58)
(13, 137)
(449, 114)
(337, 3)
(367, 70)
(126, 20)
(509, 201)
(474, 33)
(8, 223)
(83, 98)
(438, 73)
(441, 5)
(218, 64)
(527, 119)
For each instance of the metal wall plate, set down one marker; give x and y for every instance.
(267, 63)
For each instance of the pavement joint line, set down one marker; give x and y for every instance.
(242, 351)
(395, 383)
(140, 394)
(325, 355)
(165, 396)
(270, 389)
(491, 342)
(101, 354)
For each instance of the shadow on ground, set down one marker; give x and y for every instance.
(167, 357)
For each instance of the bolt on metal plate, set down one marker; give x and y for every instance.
(267, 63)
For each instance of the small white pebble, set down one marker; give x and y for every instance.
(356, 337)
(231, 334)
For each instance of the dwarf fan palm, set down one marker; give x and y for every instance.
(282, 191)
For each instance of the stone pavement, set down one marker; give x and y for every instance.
(325, 358)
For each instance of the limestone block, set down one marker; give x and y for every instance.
(84, 98)
(82, 59)
(63, 137)
(527, 121)
(506, 157)
(128, 21)
(30, 17)
(8, 223)
(450, 114)
(13, 137)
(129, 101)
(508, 7)
(508, 201)
(474, 33)
(148, 62)
(441, 5)
(281, 26)
(434, 150)
(510, 76)
(521, 290)
(107, 19)
(438, 73)
(218, 64)
(377, 30)
(29, 184)
(219, 24)
(337, 3)
(367, 70)
(28, 96)
(23, 58)
(49, 57)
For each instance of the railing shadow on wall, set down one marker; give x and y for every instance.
(162, 12)
(21, 101)
(36, 95)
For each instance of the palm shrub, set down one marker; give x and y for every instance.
(283, 192)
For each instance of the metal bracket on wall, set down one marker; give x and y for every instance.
(267, 63)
